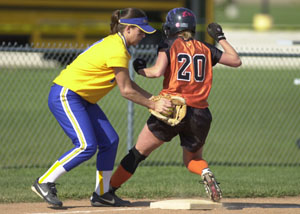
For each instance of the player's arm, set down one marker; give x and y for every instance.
(131, 91)
(229, 57)
(157, 70)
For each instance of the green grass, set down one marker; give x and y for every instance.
(253, 110)
(158, 182)
(255, 124)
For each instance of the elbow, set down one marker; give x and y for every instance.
(156, 75)
(156, 71)
(125, 93)
(153, 74)
(231, 60)
(237, 63)
(159, 72)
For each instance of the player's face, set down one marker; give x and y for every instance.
(135, 35)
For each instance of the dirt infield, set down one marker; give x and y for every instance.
(230, 206)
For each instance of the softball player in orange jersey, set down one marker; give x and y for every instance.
(187, 68)
(73, 101)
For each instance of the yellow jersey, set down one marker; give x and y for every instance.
(91, 74)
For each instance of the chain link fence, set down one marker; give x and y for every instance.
(255, 108)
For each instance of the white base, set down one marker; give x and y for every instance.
(186, 204)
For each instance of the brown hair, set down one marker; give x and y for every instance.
(126, 13)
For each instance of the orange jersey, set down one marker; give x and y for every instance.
(189, 73)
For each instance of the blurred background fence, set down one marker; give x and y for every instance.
(256, 109)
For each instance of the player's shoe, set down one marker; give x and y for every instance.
(47, 191)
(211, 186)
(108, 199)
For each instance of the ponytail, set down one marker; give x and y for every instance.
(187, 34)
(114, 21)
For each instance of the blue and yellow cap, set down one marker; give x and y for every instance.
(141, 23)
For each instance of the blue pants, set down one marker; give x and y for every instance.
(88, 128)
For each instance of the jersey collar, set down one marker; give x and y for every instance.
(124, 41)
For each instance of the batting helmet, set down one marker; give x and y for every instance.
(179, 19)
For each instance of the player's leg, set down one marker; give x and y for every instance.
(154, 134)
(193, 139)
(196, 164)
(69, 110)
(194, 161)
(108, 141)
(146, 143)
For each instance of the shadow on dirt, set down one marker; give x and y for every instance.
(240, 206)
(133, 204)
(67, 207)
(141, 204)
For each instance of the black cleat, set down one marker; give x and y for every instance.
(108, 199)
(47, 192)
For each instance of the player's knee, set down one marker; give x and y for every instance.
(90, 150)
(131, 161)
(111, 145)
(115, 141)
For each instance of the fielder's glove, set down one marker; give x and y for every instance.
(139, 63)
(176, 115)
(215, 31)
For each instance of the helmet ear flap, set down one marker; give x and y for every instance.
(166, 29)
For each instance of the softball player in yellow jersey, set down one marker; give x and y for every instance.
(73, 97)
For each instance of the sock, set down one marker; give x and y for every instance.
(53, 173)
(102, 181)
(196, 166)
(119, 177)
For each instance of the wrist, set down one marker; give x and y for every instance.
(152, 105)
(221, 37)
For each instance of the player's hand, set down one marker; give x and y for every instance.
(215, 31)
(164, 106)
(169, 109)
(138, 64)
